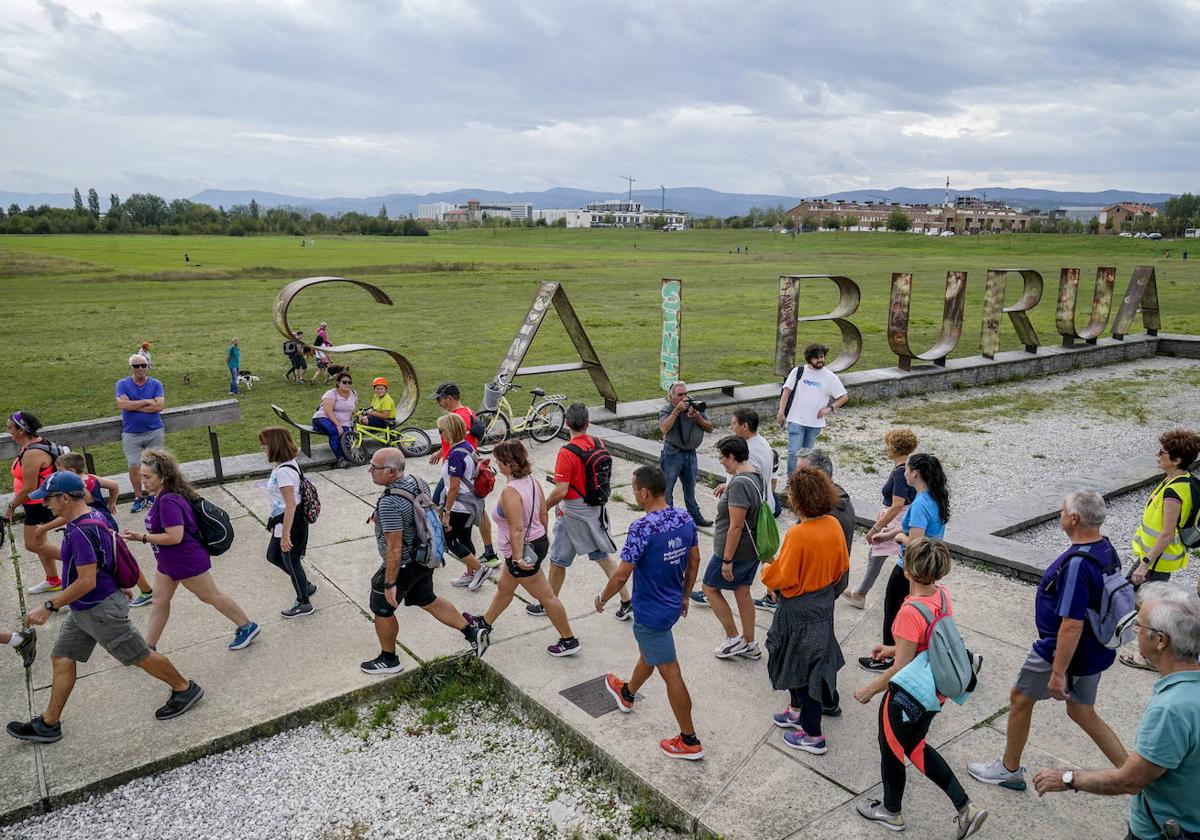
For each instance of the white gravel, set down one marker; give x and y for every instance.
(486, 774)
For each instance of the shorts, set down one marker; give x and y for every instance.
(744, 572)
(1033, 681)
(37, 514)
(656, 646)
(107, 623)
(540, 547)
(134, 443)
(298, 362)
(564, 552)
(414, 588)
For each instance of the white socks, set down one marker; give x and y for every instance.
(16, 639)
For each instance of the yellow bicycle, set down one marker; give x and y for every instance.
(542, 421)
(410, 440)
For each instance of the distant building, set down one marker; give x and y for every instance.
(1116, 218)
(435, 211)
(969, 215)
(615, 213)
(476, 212)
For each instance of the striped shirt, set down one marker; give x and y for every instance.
(394, 513)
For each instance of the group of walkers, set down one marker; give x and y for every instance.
(917, 665)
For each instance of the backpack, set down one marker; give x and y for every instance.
(125, 567)
(1189, 526)
(309, 501)
(476, 428)
(485, 477)
(1112, 623)
(289, 348)
(764, 535)
(431, 539)
(215, 529)
(597, 472)
(51, 449)
(949, 658)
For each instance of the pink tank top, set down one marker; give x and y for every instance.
(530, 495)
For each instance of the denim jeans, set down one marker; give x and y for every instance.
(233, 384)
(322, 425)
(799, 437)
(681, 464)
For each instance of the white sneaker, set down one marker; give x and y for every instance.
(478, 578)
(730, 647)
(464, 579)
(44, 586)
(995, 773)
(752, 650)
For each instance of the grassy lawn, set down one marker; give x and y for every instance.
(76, 306)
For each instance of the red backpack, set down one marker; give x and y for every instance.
(485, 477)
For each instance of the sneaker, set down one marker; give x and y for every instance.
(478, 578)
(36, 730)
(875, 812)
(476, 621)
(138, 503)
(491, 560)
(701, 522)
(244, 636)
(856, 600)
(970, 820)
(730, 648)
(676, 748)
(698, 598)
(480, 637)
(995, 773)
(564, 647)
(464, 579)
(625, 611)
(766, 602)
(536, 610)
(614, 687)
(27, 647)
(142, 599)
(789, 718)
(297, 609)
(45, 586)
(976, 663)
(832, 711)
(801, 740)
(384, 663)
(312, 589)
(874, 665)
(180, 701)
(752, 650)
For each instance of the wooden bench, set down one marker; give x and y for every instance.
(306, 432)
(725, 386)
(80, 435)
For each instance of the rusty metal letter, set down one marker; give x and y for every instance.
(952, 319)
(1142, 294)
(409, 393)
(1068, 292)
(670, 352)
(849, 296)
(994, 309)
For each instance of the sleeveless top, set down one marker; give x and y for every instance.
(527, 489)
(43, 473)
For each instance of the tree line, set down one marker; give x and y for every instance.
(149, 213)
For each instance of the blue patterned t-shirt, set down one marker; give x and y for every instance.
(657, 546)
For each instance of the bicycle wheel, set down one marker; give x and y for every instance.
(413, 442)
(495, 430)
(354, 447)
(547, 421)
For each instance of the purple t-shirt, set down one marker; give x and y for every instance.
(86, 545)
(185, 559)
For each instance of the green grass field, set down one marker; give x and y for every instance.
(75, 306)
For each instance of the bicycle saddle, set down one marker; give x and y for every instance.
(537, 392)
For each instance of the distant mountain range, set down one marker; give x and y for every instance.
(698, 201)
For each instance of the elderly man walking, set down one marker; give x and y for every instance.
(141, 400)
(1067, 659)
(683, 427)
(1163, 771)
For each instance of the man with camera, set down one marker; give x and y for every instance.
(683, 424)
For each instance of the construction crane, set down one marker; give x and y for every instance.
(630, 179)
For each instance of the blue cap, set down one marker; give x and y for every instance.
(59, 482)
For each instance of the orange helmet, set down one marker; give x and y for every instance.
(379, 380)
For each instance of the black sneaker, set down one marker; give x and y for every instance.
(382, 664)
(874, 665)
(832, 711)
(180, 701)
(296, 610)
(564, 647)
(28, 647)
(312, 589)
(480, 639)
(36, 730)
(625, 612)
(476, 621)
(536, 610)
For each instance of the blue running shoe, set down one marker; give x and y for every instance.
(244, 636)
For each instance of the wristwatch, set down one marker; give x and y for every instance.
(724, 561)
(50, 606)
(1068, 779)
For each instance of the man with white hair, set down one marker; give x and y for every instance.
(1067, 659)
(1163, 771)
(141, 400)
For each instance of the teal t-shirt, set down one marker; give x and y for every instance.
(922, 513)
(234, 355)
(1169, 736)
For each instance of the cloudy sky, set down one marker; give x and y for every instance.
(367, 97)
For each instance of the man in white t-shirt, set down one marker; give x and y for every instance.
(745, 425)
(809, 395)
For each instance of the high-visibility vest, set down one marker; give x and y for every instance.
(1174, 556)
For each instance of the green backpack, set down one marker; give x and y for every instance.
(764, 536)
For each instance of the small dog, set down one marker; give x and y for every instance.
(246, 379)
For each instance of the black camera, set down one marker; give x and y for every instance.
(699, 405)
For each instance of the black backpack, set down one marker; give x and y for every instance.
(788, 405)
(597, 472)
(289, 348)
(216, 531)
(309, 503)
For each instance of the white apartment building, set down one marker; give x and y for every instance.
(434, 211)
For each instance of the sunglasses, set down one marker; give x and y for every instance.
(139, 366)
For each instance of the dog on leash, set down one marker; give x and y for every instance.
(246, 380)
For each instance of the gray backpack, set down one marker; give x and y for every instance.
(948, 655)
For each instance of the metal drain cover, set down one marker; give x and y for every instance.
(591, 696)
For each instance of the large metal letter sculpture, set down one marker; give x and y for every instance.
(1142, 294)
(994, 309)
(672, 332)
(952, 319)
(409, 391)
(788, 320)
(550, 292)
(1068, 293)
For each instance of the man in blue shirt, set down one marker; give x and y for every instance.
(140, 398)
(1067, 659)
(662, 555)
(1163, 771)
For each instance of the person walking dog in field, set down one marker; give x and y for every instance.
(233, 361)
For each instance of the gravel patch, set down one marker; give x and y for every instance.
(477, 772)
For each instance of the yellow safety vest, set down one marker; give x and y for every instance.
(1174, 556)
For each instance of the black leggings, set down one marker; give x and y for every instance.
(903, 723)
(458, 536)
(810, 708)
(289, 561)
(893, 600)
